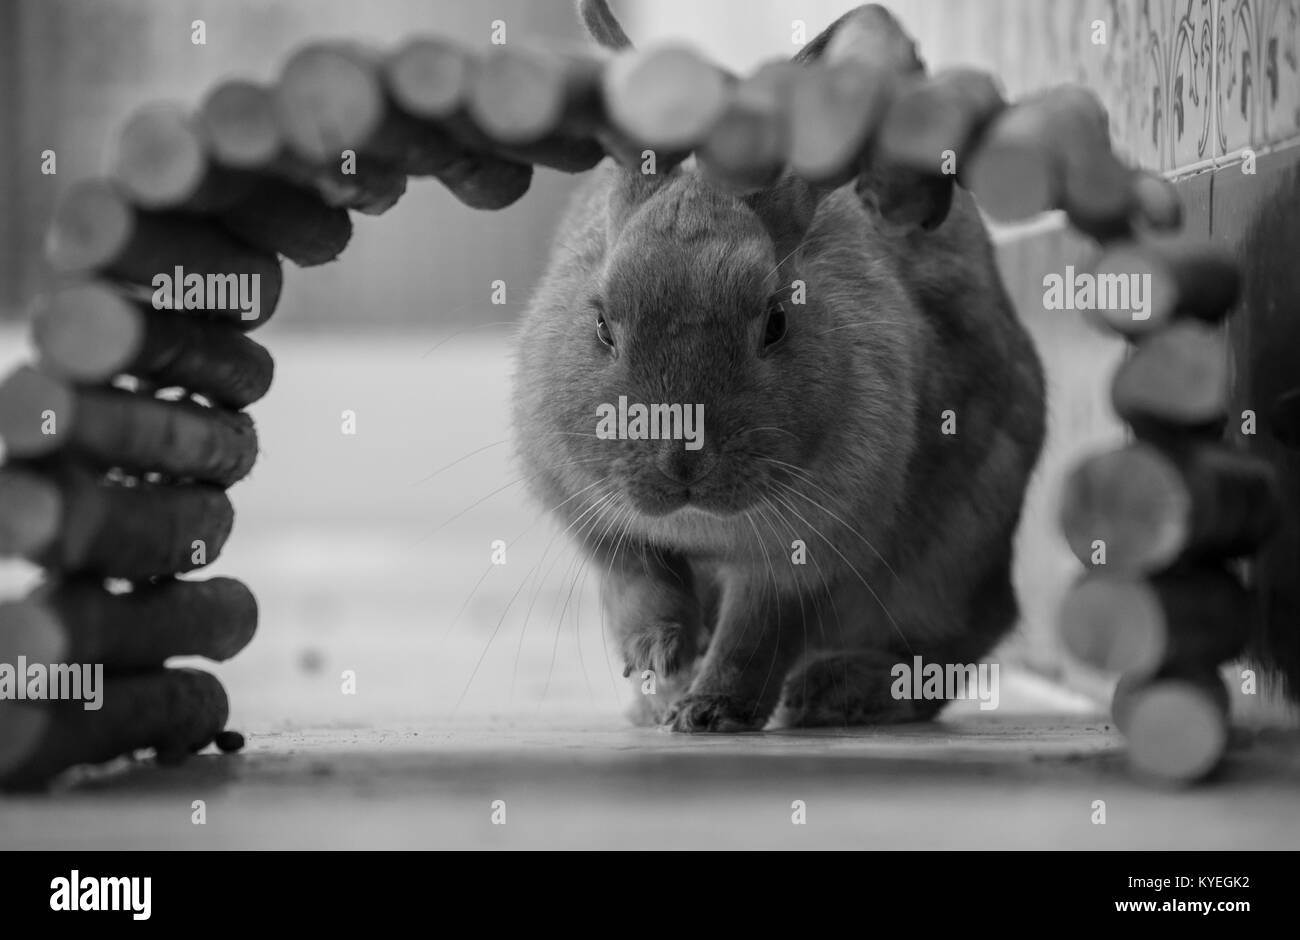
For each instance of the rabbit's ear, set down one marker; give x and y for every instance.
(630, 189)
(603, 25)
(868, 32)
(902, 198)
(786, 210)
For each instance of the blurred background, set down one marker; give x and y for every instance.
(371, 552)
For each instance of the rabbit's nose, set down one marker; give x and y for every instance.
(685, 466)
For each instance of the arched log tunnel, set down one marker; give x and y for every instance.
(1176, 531)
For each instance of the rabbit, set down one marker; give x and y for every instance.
(872, 411)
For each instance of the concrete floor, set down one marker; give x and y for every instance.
(970, 782)
(478, 683)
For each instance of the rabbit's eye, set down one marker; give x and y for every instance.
(603, 332)
(774, 329)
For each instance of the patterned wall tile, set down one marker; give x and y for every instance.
(1259, 76)
(1154, 73)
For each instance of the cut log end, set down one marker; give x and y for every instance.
(87, 333)
(328, 100)
(1133, 503)
(1178, 376)
(238, 122)
(37, 413)
(30, 629)
(1112, 624)
(429, 78)
(1156, 202)
(667, 98)
(160, 159)
(1177, 731)
(745, 151)
(1196, 281)
(1132, 263)
(1097, 195)
(1011, 181)
(31, 511)
(517, 97)
(1190, 618)
(91, 226)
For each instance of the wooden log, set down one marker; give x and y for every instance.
(1095, 188)
(1097, 193)
(162, 163)
(229, 742)
(904, 198)
(665, 98)
(531, 104)
(1127, 624)
(90, 333)
(835, 110)
(41, 415)
(932, 117)
(1178, 377)
(519, 96)
(1284, 418)
(839, 103)
(1176, 725)
(290, 220)
(1150, 508)
(435, 80)
(1051, 150)
(361, 117)
(36, 413)
(95, 229)
(1184, 280)
(372, 125)
(429, 77)
(238, 124)
(72, 522)
(745, 151)
(30, 511)
(587, 116)
(1011, 174)
(171, 710)
(1156, 202)
(78, 621)
(1204, 677)
(240, 128)
(329, 99)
